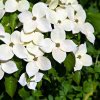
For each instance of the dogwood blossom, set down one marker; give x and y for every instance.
(36, 19)
(13, 5)
(82, 59)
(58, 45)
(31, 84)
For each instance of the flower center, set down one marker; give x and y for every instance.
(35, 59)
(11, 44)
(76, 20)
(18, 0)
(69, 3)
(34, 18)
(79, 56)
(75, 12)
(57, 44)
(59, 21)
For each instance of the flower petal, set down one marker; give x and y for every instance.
(47, 45)
(23, 5)
(68, 46)
(58, 55)
(9, 67)
(31, 68)
(11, 5)
(5, 52)
(20, 51)
(32, 85)
(22, 80)
(15, 37)
(43, 25)
(2, 12)
(38, 76)
(86, 60)
(25, 16)
(58, 35)
(1, 73)
(43, 63)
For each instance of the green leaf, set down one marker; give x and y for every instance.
(23, 93)
(10, 85)
(69, 62)
(77, 77)
(94, 19)
(13, 21)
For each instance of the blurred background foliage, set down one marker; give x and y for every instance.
(61, 82)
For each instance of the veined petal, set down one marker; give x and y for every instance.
(31, 68)
(39, 10)
(11, 5)
(15, 37)
(22, 80)
(27, 37)
(58, 35)
(37, 38)
(86, 60)
(47, 45)
(20, 51)
(9, 67)
(1, 73)
(23, 5)
(43, 25)
(29, 26)
(58, 55)
(43, 63)
(68, 46)
(33, 49)
(32, 85)
(5, 52)
(25, 16)
(38, 77)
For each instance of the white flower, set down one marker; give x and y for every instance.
(2, 11)
(82, 59)
(59, 19)
(58, 45)
(69, 2)
(8, 67)
(88, 30)
(53, 4)
(13, 5)
(31, 84)
(36, 19)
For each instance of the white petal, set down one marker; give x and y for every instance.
(25, 16)
(68, 46)
(43, 63)
(22, 80)
(32, 85)
(38, 37)
(29, 26)
(31, 68)
(86, 60)
(43, 25)
(33, 49)
(23, 5)
(1, 73)
(38, 77)
(6, 38)
(1, 4)
(58, 55)
(15, 37)
(1, 28)
(5, 52)
(47, 45)
(9, 67)
(20, 51)
(58, 35)
(78, 65)
(11, 5)
(39, 10)
(2, 12)
(82, 49)
(88, 30)
(53, 4)
(27, 37)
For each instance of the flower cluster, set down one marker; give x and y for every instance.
(32, 43)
